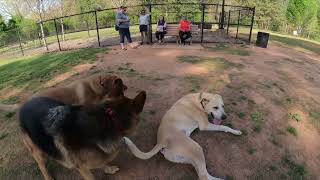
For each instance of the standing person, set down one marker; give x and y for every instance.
(161, 29)
(123, 23)
(184, 30)
(144, 22)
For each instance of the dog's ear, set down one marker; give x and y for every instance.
(118, 85)
(139, 101)
(203, 101)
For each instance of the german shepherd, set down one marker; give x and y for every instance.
(83, 137)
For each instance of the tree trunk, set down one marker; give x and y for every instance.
(62, 29)
(43, 36)
(88, 28)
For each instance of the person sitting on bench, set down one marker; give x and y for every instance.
(161, 29)
(184, 30)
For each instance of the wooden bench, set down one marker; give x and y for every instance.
(173, 30)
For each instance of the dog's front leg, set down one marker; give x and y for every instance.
(213, 127)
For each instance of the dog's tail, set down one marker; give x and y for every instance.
(142, 155)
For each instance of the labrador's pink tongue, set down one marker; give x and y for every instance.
(216, 122)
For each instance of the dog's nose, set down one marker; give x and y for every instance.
(224, 117)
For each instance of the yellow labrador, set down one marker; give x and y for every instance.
(200, 110)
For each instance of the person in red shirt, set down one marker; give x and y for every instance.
(184, 30)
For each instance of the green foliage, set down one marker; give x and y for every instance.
(241, 115)
(257, 119)
(292, 130)
(9, 114)
(295, 171)
(294, 116)
(11, 100)
(303, 14)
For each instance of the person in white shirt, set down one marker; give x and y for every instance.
(144, 22)
(161, 29)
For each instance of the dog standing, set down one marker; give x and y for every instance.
(80, 137)
(90, 90)
(200, 110)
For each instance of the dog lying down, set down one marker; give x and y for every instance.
(81, 137)
(201, 110)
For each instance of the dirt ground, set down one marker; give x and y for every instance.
(271, 94)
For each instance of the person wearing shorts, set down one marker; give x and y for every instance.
(143, 25)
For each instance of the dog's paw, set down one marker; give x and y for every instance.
(111, 169)
(236, 132)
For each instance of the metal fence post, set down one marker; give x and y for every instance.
(228, 22)
(55, 25)
(97, 27)
(238, 24)
(252, 21)
(222, 16)
(202, 21)
(150, 23)
(18, 32)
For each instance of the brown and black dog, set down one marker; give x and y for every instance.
(90, 90)
(81, 137)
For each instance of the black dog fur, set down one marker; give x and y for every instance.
(80, 126)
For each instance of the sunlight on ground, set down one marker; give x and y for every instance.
(61, 77)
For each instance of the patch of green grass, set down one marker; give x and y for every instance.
(195, 82)
(9, 114)
(11, 100)
(295, 42)
(243, 98)
(35, 69)
(190, 59)
(294, 116)
(241, 115)
(292, 130)
(295, 171)
(251, 151)
(239, 50)
(3, 135)
(257, 119)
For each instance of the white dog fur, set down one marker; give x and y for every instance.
(187, 114)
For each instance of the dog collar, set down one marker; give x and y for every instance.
(112, 117)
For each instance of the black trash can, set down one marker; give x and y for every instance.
(262, 39)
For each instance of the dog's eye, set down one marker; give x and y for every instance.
(216, 107)
(223, 106)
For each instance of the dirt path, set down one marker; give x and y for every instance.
(272, 95)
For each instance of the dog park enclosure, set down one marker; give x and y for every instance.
(216, 23)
